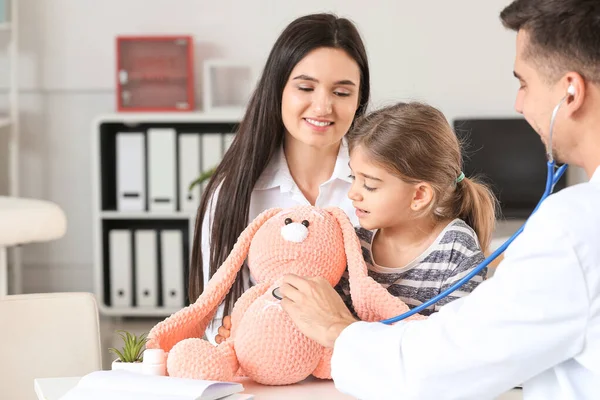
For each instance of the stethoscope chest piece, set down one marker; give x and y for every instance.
(277, 294)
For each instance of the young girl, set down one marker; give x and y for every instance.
(423, 224)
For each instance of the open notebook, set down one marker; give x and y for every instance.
(125, 385)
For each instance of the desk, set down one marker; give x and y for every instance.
(54, 388)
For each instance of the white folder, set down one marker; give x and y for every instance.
(189, 170)
(120, 268)
(146, 268)
(212, 152)
(130, 159)
(161, 165)
(172, 265)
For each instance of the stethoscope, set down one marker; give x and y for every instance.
(551, 179)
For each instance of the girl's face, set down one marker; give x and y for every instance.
(321, 97)
(382, 199)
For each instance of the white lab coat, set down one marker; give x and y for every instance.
(536, 322)
(277, 188)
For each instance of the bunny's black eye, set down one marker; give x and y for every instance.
(305, 223)
(288, 221)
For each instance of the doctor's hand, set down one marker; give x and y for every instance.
(315, 307)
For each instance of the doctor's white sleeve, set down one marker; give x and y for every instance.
(529, 317)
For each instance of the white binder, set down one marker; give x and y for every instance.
(161, 165)
(171, 262)
(189, 170)
(212, 152)
(120, 268)
(130, 160)
(146, 268)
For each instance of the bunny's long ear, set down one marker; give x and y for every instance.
(371, 301)
(221, 282)
(193, 320)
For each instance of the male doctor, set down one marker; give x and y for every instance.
(537, 321)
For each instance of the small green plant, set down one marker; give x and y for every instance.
(133, 347)
(203, 177)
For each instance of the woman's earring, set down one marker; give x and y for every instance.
(415, 206)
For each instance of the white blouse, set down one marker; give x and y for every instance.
(277, 188)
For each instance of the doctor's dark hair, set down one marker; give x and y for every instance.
(415, 142)
(260, 135)
(564, 35)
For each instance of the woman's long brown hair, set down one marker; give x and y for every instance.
(260, 135)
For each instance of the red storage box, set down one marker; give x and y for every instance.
(155, 73)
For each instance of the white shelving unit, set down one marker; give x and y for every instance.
(9, 123)
(108, 217)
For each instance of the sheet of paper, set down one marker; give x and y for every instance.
(78, 393)
(149, 387)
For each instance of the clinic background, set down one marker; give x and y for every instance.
(454, 55)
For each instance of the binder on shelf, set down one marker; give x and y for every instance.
(212, 152)
(172, 263)
(130, 159)
(120, 268)
(161, 166)
(146, 268)
(189, 170)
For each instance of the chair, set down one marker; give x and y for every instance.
(24, 221)
(46, 336)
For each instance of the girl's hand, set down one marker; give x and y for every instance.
(224, 330)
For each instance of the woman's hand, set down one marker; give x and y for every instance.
(315, 307)
(224, 330)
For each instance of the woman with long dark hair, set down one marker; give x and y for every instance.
(289, 148)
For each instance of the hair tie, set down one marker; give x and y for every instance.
(460, 177)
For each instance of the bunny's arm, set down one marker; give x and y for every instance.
(184, 324)
(242, 304)
(372, 302)
(190, 322)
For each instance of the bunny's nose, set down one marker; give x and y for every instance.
(294, 232)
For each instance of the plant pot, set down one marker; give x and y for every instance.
(127, 366)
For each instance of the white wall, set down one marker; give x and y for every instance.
(453, 54)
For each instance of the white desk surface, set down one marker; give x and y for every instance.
(55, 388)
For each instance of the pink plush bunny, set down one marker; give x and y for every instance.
(264, 344)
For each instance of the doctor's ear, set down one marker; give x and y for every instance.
(575, 92)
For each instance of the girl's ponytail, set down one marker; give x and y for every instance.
(477, 205)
